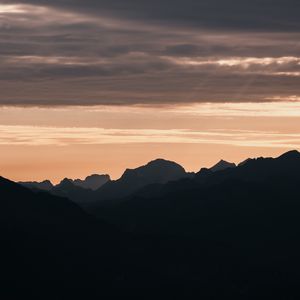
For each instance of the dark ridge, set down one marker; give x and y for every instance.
(222, 165)
(49, 244)
(293, 154)
(45, 185)
(158, 171)
(92, 182)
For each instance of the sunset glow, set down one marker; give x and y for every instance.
(127, 87)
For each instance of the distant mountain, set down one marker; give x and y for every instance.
(96, 188)
(92, 182)
(45, 185)
(185, 195)
(68, 189)
(79, 191)
(244, 162)
(159, 171)
(257, 170)
(222, 165)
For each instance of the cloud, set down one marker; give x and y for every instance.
(46, 136)
(136, 52)
(262, 15)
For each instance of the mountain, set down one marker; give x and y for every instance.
(244, 162)
(68, 189)
(222, 165)
(159, 171)
(48, 243)
(45, 185)
(257, 170)
(97, 188)
(230, 233)
(92, 182)
(257, 183)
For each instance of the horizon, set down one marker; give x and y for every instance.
(55, 182)
(98, 86)
(188, 114)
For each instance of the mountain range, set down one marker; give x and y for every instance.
(269, 174)
(224, 232)
(100, 187)
(92, 182)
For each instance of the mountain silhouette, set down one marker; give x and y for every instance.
(230, 233)
(292, 155)
(68, 189)
(159, 171)
(257, 170)
(186, 195)
(49, 244)
(92, 182)
(222, 165)
(45, 185)
(85, 192)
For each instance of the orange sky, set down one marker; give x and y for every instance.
(98, 86)
(53, 143)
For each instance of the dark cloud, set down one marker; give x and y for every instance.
(214, 14)
(128, 52)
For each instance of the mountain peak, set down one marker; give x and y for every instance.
(93, 182)
(290, 155)
(204, 172)
(160, 161)
(158, 171)
(95, 176)
(222, 165)
(46, 181)
(244, 162)
(155, 168)
(45, 185)
(66, 182)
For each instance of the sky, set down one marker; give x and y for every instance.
(98, 86)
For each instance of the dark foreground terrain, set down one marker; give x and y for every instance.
(231, 233)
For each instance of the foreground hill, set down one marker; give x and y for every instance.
(48, 242)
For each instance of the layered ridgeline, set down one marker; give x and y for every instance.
(159, 171)
(254, 188)
(92, 182)
(229, 232)
(78, 190)
(45, 185)
(97, 188)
